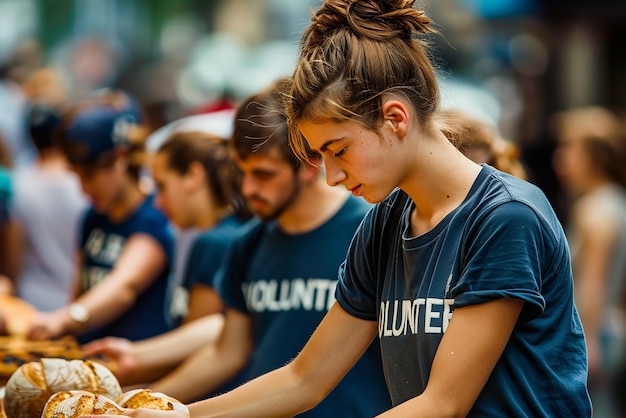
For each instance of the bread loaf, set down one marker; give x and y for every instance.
(145, 398)
(33, 383)
(16, 351)
(75, 403)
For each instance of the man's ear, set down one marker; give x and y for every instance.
(396, 115)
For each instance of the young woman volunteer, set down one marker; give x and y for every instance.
(461, 270)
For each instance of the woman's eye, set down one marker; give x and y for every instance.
(340, 152)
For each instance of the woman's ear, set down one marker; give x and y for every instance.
(195, 176)
(396, 116)
(309, 171)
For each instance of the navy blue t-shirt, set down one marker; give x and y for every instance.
(503, 241)
(203, 261)
(286, 284)
(102, 242)
(207, 252)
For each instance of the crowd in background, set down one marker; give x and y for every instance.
(540, 92)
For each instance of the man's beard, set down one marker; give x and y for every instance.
(280, 209)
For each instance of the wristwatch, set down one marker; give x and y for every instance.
(78, 313)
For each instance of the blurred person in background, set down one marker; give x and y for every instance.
(197, 186)
(590, 162)
(278, 277)
(48, 206)
(125, 243)
(23, 61)
(481, 142)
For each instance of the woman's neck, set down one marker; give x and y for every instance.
(210, 216)
(439, 184)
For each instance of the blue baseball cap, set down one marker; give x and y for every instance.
(96, 130)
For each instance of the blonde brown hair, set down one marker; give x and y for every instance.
(181, 149)
(474, 137)
(352, 54)
(602, 133)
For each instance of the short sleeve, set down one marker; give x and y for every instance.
(205, 259)
(356, 289)
(156, 225)
(231, 275)
(504, 257)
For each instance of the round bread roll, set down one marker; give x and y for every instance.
(145, 398)
(75, 403)
(32, 384)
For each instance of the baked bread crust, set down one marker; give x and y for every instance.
(32, 384)
(74, 403)
(16, 351)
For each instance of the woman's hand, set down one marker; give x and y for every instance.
(120, 350)
(49, 325)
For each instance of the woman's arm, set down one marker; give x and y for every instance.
(334, 348)
(138, 266)
(203, 300)
(213, 365)
(146, 360)
(596, 234)
(469, 350)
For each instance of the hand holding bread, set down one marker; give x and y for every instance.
(74, 404)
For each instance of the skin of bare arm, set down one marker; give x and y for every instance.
(597, 235)
(213, 365)
(137, 267)
(336, 345)
(150, 359)
(333, 349)
(469, 350)
(203, 300)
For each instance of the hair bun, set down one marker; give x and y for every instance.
(374, 19)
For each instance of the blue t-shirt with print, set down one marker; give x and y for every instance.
(286, 284)
(203, 261)
(101, 244)
(503, 241)
(207, 252)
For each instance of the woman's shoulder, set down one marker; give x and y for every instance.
(497, 187)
